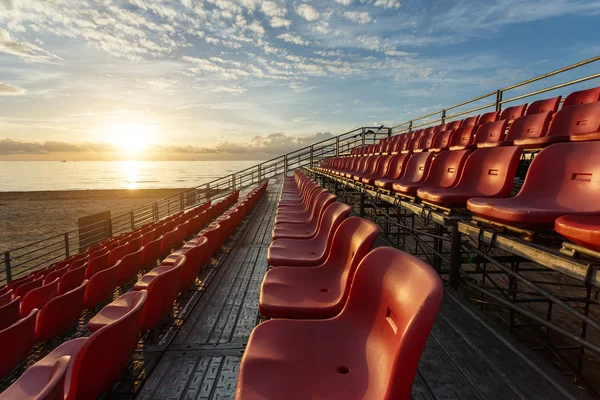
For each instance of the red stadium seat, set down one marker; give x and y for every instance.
(319, 291)
(573, 123)
(426, 141)
(25, 288)
(71, 279)
(563, 179)
(101, 286)
(309, 252)
(470, 121)
(96, 264)
(369, 169)
(168, 243)
(543, 106)
(491, 134)
(162, 284)
(512, 113)
(416, 170)
(98, 361)
(151, 253)
(133, 245)
(382, 169)
(460, 139)
(117, 253)
(130, 265)
(315, 213)
(395, 171)
(444, 172)
(36, 298)
(6, 297)
(441, 140)
(57, 273)
(487, 173)
(16, 341)
(196, 257)
(40, 382)
(582, 97)
(369, 351)
(60, 313)
(9, 313)
(583, 230)
(528, 126)
(488, 117)
(453, 125)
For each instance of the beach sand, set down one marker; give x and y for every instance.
(26, 217)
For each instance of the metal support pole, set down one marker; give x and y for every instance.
(233, 181)
(337, 146)
(410, 126)
(66, 244)
(132, 220)
(498, 100)
(181, 205)
(259, 173)
(455, 257)
(362, 137)
(312, 148)
(7, 265)
(208, 191)
(443, 116)
(155, 211)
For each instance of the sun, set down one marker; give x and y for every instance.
(133, 137)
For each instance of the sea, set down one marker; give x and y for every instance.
(27, 176)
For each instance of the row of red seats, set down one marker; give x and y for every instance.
(535, 126)
(563, 180)
(86, 367)
(54, 298)
(351, 323)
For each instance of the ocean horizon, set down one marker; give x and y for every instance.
(31, 176)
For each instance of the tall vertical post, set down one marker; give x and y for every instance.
(443, 116)
(233, 182)
(132, 220)
(208, 191)
(410, 126)
(7, 265)
(66, 244)
(455, 256)
(285, 165)
(181, 202)
(498, 100)
(337, 146)
(259, 173)
(155, 211)
(362, 137)
(312, 149)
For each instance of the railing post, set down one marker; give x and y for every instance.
(207, 191)
(233, 181)
(285, 165)
(181, 202)
(410, 126)
(66, 244)
(337, 146)
(7, 265)
(498, 100)
(132, 220)
(362, 138)
(443, 116)
(312, 148)
(155, 211)
(259, 173)
(389, 132)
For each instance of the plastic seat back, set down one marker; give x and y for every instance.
(453, 125)
(151, 253)
(101, 286)
(543, 106)
(417, 167)
(529, 126)
(383, 166)
(41, 381)
(490, 171)
(196, 258)
(491, 132)
(162, 292)
(397, 166)
(463, 136)
(372, 164)
(38, 297)
(6, 297)
(512, 113)
(56, 274)
(393, 303)
(130, 265)
(134, 244)
(168, 242)
(427, 140)
(25, 288)
(582, 97)
(117, 253)
(488, 117)
(576, 120)
(16, 341)
(566, 175)
(441, 140)
(78, 264)
(106, 353)
(446, 168)
(9, 313)
(470, 121)
(438, 128)
(322, 202)
(334, 215)
(352, 240)
(60, 313)
(96, 264)
(148, 237)
(71, 280)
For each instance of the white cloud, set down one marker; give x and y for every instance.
(10, 90)
(271, 9)
(228, 89)
(307, 12)
(383, 3)
(321, 27)
(277, 22)
(344, 2)
(358, 17)
(292, 38)
(27, 51)
(257, 28)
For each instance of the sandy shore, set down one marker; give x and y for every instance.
(29, 216)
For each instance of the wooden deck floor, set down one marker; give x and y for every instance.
(197, 357)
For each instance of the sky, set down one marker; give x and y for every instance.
(250, 79)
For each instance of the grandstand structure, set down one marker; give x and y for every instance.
(451, 256)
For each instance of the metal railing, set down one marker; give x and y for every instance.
(23, 260)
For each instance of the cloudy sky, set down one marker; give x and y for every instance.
(206, 79)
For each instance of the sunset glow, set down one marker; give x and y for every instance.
(132, 138)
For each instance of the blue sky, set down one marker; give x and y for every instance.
(247, 78)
